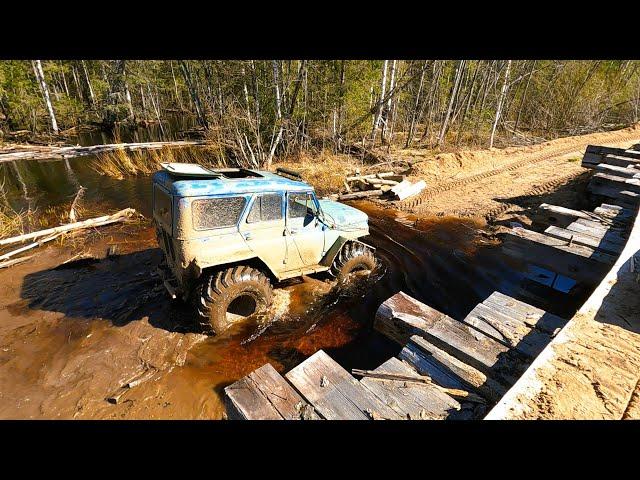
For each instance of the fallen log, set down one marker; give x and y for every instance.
(380, 181)
(92, 222)
(370, 175)
(15, 261)
(78, 151)
(42, 241)
(363, 194)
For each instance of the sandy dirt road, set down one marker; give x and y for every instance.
(492, 183)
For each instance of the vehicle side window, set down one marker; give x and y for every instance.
(217, 212)
(298, 204)
(266, 208)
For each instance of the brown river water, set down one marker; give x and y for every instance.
(71, 334)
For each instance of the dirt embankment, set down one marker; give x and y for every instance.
(492, 183)
(592, 376)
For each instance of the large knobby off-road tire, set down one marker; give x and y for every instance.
(353, 257)
(228, 296)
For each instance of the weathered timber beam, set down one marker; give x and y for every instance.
(554, 215)
(612, 247)
(575, 261)
(401, 316)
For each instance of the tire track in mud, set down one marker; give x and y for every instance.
(411, 205)
(542, 189)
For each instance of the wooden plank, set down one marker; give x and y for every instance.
(614, 232)
(532, 316)
(476, 349)
(612, 247)
(576, 261)
(603, 224)
(512, 332)
(555, 215)
(265, 395)
(616, 182)
(598, 232)
(406, 189)
(601, 150)
(623, 198)
(590, 160)
(620, 160)
(401, 316)
(622, 215)
(447, 370)
(628, 172)
(410, 400)
(334, 393)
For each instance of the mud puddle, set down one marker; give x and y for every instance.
(74, 334)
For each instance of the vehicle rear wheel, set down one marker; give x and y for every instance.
(353, 257)
(228, 296)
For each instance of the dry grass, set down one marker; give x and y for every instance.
(325, 171)
(11, 223)
(122, 163)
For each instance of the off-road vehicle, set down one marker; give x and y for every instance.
(228, 234)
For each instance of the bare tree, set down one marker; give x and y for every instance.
(37, 68)
(452, 98)
(383, 86)
(501, 98)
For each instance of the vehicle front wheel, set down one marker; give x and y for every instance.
(353, 257)
(229, 296)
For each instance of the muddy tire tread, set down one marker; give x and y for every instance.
(215, 287)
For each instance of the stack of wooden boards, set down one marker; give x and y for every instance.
(579, 244)
(465, 366)
(377, 184)
(618, 174)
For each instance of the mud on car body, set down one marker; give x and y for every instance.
(228, 234)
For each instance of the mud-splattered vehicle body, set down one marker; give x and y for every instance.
(226, 229)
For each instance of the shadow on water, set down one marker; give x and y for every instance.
(118, 289)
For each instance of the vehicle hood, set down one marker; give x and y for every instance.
(343, 215)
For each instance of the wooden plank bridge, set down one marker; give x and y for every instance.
(457, 369)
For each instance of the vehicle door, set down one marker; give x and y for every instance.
(305, 228)
(263, 229)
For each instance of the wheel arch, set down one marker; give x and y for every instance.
(340, 242)
(254, 262)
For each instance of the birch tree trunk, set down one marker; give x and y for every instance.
(194, 94)
(386, 127)
(414, 113)
(37, 68)
(383, 86)
(454, 94)
(503, 94)
(90, 88)
(276, 141)
(524, 96)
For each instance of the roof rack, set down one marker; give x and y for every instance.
(288, 173)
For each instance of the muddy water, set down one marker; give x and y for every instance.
(71, 334)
